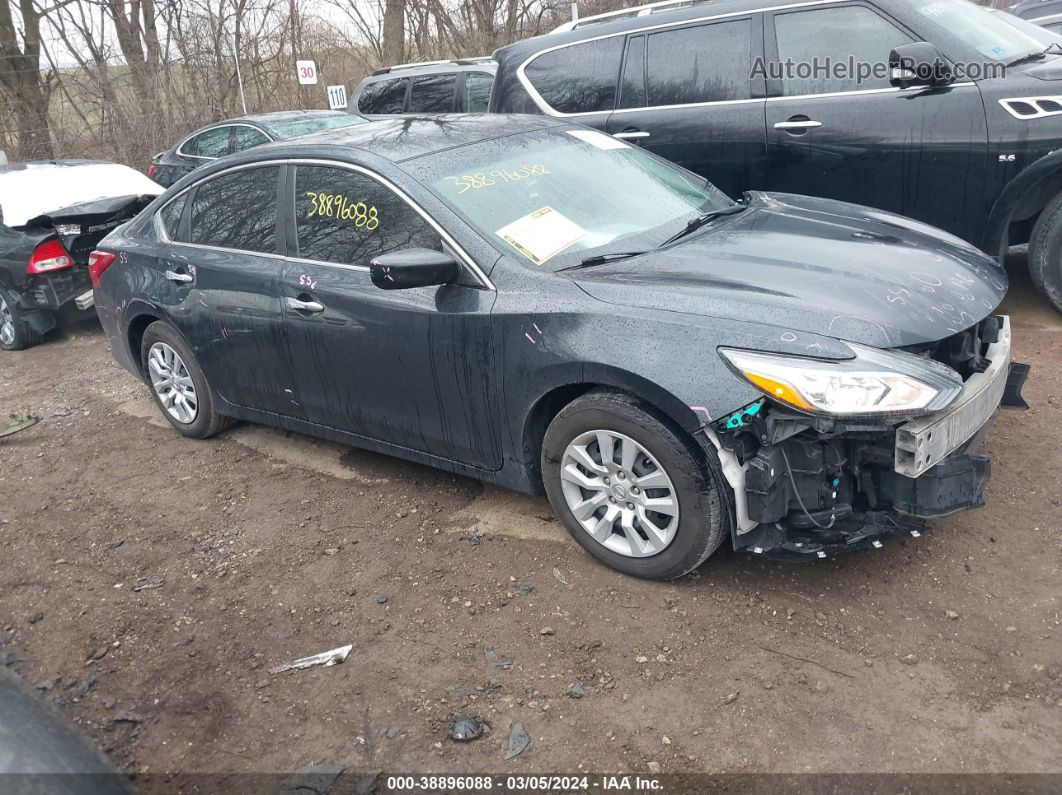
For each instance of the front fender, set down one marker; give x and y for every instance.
(1021, 199)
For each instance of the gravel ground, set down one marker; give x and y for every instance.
(151, 582)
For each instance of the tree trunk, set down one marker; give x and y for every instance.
(394, 32)
(20, 78)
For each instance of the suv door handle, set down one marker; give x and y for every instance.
(304, 306)
(631, 135)
(802, 123)
(182, 278)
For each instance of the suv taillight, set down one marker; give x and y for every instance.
(99, 261)
(152, 169)
(47, 257)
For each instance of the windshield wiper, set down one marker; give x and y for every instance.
(1033, 56)
(600, 259)
(696, 223)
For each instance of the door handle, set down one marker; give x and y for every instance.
(304, 306)
(631, 135)
(797, 124)
(182, 278)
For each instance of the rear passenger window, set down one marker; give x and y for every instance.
(211, 143)
(707, 63)
(170, 215)
(347, 218)
(581, 78)
(386, 96)
(433, 94)
(477, 91)
(833, 36)
(237, 210)
(249, 137)
(632, 84)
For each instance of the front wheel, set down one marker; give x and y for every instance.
(637, 494)
(1045, 253)
(178, 384)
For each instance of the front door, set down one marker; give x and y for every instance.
(691, 95)
(835, 133)
(220, 278)
(411, 367)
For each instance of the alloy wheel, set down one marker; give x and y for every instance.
(7, 323)
(172, 383)
(619, 493)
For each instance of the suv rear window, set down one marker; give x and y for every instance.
(707, 63)
(385, 96)
(477, 91)
(433, 93)
(578, 79)
(237, 210)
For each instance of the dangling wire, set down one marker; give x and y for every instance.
(796, 493)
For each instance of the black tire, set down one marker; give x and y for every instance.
(704, 513)
(24, 336)
(1045, 253)
(207, 421)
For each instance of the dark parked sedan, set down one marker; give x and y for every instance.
(537, 304)
(238, 135)
(52, 215)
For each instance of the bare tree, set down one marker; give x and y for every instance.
(22, 80)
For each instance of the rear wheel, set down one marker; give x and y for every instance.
(15, 333)
(178, 384)
(1045, 253)
(637, 494)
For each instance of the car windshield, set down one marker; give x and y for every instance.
(1045, 35)
(554, 198)
(981, 29)
(312, 124)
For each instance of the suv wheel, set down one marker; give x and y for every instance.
(15, 333)
(637, 494)
(178, 384)
(1045, 253)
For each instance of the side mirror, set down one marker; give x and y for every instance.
(412, 267)
(918, 63)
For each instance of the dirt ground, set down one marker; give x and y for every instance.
(938, 653)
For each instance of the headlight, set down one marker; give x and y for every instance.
(874, 382)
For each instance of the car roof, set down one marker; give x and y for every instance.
(267, 120)
(407, 137)
(483, 64)
(7, 168)
(591, 27)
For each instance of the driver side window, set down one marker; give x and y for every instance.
(347, 218)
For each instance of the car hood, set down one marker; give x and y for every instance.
(816, 266)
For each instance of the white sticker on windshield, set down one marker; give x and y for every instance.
(598, 139)
(541, 234)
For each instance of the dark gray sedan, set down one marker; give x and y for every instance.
(237, 135)
(534, 303)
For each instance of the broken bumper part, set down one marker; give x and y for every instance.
(810, 490)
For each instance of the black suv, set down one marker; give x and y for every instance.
(462, 86)
(935, 109)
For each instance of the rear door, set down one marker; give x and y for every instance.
(412, 368)
(835, 133)
(690, 94)
(434, 93)
(221, 270)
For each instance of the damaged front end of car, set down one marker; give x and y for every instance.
(843, 454)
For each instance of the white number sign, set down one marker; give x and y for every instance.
(337, 97)
(307, 72)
